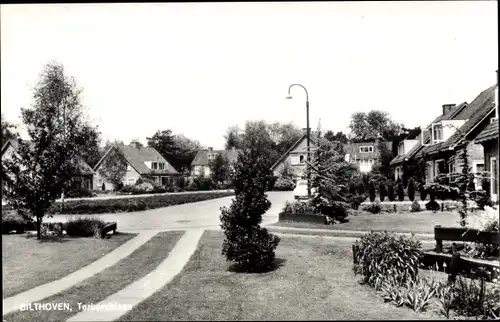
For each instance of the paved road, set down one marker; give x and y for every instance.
(203, 214)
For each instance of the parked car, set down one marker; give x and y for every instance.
(300, 191)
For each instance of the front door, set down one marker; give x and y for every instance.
(494, 179)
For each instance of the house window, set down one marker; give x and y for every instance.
(301, 159)
(437, 133)
(154, 165)
(164, 181)
(366, 149)
(211, 156)
(296, 159)
(156, 179)
(162, 165)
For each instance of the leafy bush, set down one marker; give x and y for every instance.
(411, 189)
(204, 183)
(12, 220)
(415, 206)
(191, 186)
(245, 242)
(355, 200)
(298, 207)
(474, 298)
(382, 254)
(382, 191)
(284, 184)
(374, 208)
(84, 227)
(482, 198)
(401, 192)
(336, 212)
(371, 191)
(78, 192)
(390, 191)
(99, 206)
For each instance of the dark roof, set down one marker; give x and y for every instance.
(83, 167)
(137, 156)
(201, 157)
(489, 133)
(481, 107)
(312, 136)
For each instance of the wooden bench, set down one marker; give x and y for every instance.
(451, 262)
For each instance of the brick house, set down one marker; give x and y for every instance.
(201, 162)
(365, 154)
(455, 129)
(488, 138)
(142, 161)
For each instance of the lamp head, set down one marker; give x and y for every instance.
(289, 97)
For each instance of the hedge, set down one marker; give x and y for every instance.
(132, 204)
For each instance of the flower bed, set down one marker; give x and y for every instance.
(132, 204)
(405, 206)
(306, 217)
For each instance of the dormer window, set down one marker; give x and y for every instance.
(161, 166)
(366, 149)
(154, 165)
(437, 133)
(211, 156)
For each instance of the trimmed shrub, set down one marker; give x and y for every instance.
(78, 192)
(284, 184)
(390, 191)
(84, 227)
(415, 206)
(374, 208)
(99, 206)
(401, 192)
(12, 220)
(382, 191)
(423, 192)
(411, 189)
(381, 254)
(298, 207)
(371, 191)
(356, 200)
(203, 183)
(432, 205)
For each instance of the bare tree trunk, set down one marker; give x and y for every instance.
(38, 227)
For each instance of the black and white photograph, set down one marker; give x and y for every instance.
(238, 161)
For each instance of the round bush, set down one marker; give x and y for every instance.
(415, 206)
(284, 184)
(411, 189)
(84, 227)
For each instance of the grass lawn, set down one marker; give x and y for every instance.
(314, 282)
(97, 288)
(421, 222)
(27, 263)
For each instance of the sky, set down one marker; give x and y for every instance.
(197, 68)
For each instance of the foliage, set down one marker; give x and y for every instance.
(178, 150)
(286, 171)
(401, 192)
(432, 205)
(8, 130)
(233, 137)
(374, 208)
(114, 168)
(372, 125)
(203, 183)
(415, 206)
(390, 190)
(382, 191)
(482, 199)
(337, 137)
(298, 207)
(219, 169)
(371, 191)
(246, 243)
(486, 220)
(58, 135)
(474, 298)
(411, 189)
(284, 184)
(384, 253)
(78, 191)
(84, 227)
(101, 206)
(12, 220)
(143, 186)
(383, 165)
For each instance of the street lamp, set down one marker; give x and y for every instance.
(308, 134)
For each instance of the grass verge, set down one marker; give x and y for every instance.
(97, 288)
(421, 222)
(314, 281)
(28, 263)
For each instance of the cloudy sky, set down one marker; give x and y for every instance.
(197, 68)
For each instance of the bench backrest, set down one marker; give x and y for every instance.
(466, 235)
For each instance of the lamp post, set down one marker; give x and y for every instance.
(308, 134)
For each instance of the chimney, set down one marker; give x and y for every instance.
(135, 144)
(448, 107)
(210, 149)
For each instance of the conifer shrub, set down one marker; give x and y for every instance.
(246, 243)
(411, 189)
(371, 191)
(382, 191)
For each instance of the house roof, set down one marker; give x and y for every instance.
(83, 167)
(480, 108)
(137, 158)
(353, 150)
(312, 136)
(489, 133)
(201, 157)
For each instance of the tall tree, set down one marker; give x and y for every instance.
(58, 136)
(372, 125)
(219, 169)
(8, 130)
(114, 168)
(233, 137)
(337, 137)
